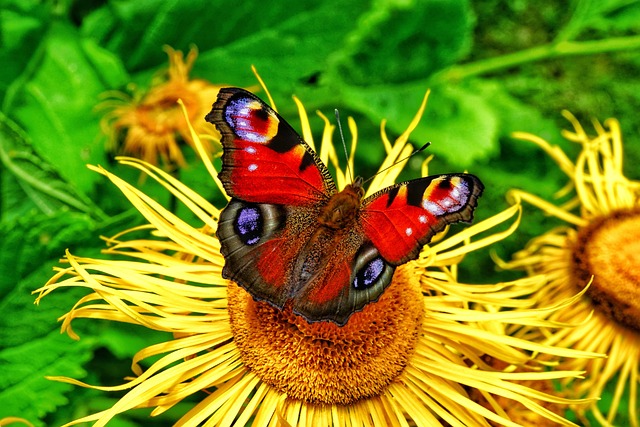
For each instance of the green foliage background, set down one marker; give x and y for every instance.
(494, 67)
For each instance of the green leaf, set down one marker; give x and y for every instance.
(30, 342)
(22, 24)
(54, 101)
(24, 390)
(30, 239)
(461, 125)
(39, 181)
(124, 340)
(589, 14)
(31, 345)
(288, 41)
(401, 41)
(514, 115)
(624, 17)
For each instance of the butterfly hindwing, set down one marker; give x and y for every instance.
(356, 276)
(279, 253)
(401, 219)
(261, 244)
(264, 160)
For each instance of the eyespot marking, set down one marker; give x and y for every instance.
(249, 225)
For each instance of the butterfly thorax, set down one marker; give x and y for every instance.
(342, 209)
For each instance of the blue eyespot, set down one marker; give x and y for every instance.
(369, 274)
(249, 225)
(371, 271)
(250, 120)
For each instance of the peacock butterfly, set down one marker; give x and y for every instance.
(288, 235)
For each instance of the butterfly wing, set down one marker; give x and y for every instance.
(264, 160)
(401, 219)
(261, 243)
(277, 185)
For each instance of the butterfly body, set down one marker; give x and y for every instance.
(289, 236)
(342, 208)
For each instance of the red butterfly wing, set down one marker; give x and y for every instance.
(264, 159)
(392, 227)
(401, 219)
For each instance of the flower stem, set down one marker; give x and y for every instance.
(552, 50)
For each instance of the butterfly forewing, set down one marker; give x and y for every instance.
(264, 160)
(401, 219)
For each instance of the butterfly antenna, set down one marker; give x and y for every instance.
(400, 161)
(344, 145)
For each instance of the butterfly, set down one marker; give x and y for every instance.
(289, 236)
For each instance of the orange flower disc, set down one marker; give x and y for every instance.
(609, 249)
(322, 362)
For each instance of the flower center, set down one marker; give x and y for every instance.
(160, 112)
(322, 362)
(609, 249)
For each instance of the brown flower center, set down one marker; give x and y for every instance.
(160, 112)
(609, 249)
(322, 362)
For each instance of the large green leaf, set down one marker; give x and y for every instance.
(402, 41)
(54, 102)
(24, 390)
(30, 181)
(287, 41)
(22, 24)
(460, 124)
(31, 345)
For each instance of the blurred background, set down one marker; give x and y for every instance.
(493, 67)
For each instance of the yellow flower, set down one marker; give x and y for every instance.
(599, 245)
(151, 127)
(410, 358)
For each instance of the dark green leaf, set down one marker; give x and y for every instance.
(624, 17)
(31, 345)
(423, 36)
(39, 181)
(29, 240)
(589, 14)
(287, 41)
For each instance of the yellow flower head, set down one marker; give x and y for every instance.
(152, 126)
(599, 246)
(414, 357)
